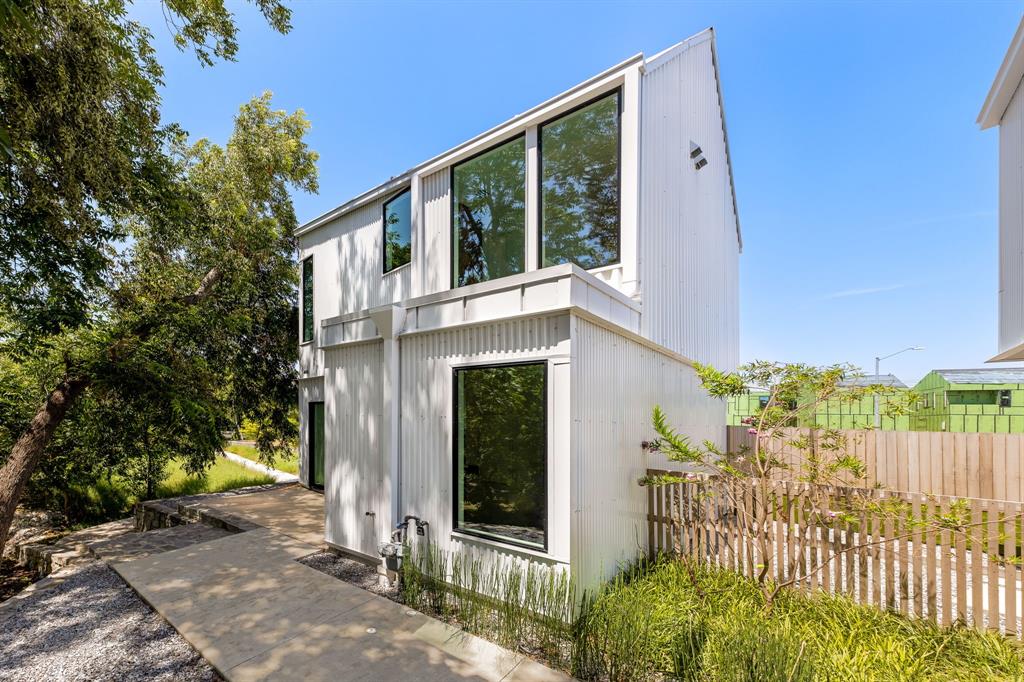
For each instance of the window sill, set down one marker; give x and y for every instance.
(398, 269)
(306, 343)
(497, 545)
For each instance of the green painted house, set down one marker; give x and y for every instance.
(971, 400)
(834, 414)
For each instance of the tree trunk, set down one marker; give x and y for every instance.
(28, 450)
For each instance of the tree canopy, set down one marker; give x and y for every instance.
(147, 282)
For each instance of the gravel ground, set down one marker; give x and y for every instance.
(351, 571)
(93, 626)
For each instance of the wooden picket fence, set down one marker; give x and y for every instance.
(982, 465)
(971, 575)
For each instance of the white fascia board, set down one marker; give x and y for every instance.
(606, 80)
(1006, 81)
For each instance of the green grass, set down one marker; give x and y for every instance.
(107, 500)
(712, 625)
(223, 475)
(289, 465)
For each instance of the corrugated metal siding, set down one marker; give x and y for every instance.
(426, 394)
(352, 454)
(616, 383)
(348, 265)
(688, 246)
(436, 231)
(1011, 224)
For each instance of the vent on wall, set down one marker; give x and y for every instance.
(697, 156)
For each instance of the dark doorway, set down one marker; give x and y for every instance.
(316, 446)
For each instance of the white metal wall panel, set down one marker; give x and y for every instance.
(1011, 224)
(436, 231)
(427, 361)
(348, 265)
(310, 390)
(688, 242)
(352, 454)
(616, 382)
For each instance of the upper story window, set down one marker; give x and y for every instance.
(579, 186)
(307, 299)
(489, 214)
(398, 231)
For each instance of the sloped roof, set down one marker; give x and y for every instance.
(890, 380)
(1005, 83)
(995, 375)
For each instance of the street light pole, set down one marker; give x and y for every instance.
(878, 361)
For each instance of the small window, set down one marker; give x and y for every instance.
(398, 231)
(579, 186)
(1005, 399)
(501, 453)
(762, 401)
(489, 214)
(307, 299)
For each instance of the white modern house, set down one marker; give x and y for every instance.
(483, 337)
(1004, 107)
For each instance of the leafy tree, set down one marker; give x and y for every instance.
(147, 285)
(742, 483)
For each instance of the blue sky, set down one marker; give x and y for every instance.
(867, 194)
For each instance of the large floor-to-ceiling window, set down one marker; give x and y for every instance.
(579, 186)
(489, 214)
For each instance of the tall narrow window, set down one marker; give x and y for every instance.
(398, 231)
(501, 452)
(579, 186)
(489, 214)
(307, 299)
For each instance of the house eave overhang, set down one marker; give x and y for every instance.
(1012, 354)
(556, 290)
(1005, 83)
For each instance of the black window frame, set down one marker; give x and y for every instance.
(617, 93)
(455, 457)
(311, 442)
(384, 231)
(454, 239)
(311, 319)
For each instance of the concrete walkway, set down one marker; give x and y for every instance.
(256, 614)
(278, 476)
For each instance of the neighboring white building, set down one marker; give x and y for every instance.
(1004, 107)
(490, 367)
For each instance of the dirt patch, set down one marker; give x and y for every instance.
(14, 578)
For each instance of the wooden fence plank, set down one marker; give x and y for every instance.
(992, 551)
(890, 564)
(946, 573)
(960, 543)
(931, 560)
(918, 572)
(913, 458)
(972, 451)
(977, 572)
(985, 481)
(1010, 569)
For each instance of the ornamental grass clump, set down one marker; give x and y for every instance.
(529, 609)
(670, 620)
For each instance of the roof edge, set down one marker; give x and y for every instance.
(1007, 80)
(398, 180)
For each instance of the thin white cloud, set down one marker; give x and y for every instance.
(846, 293)
(948, 218)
